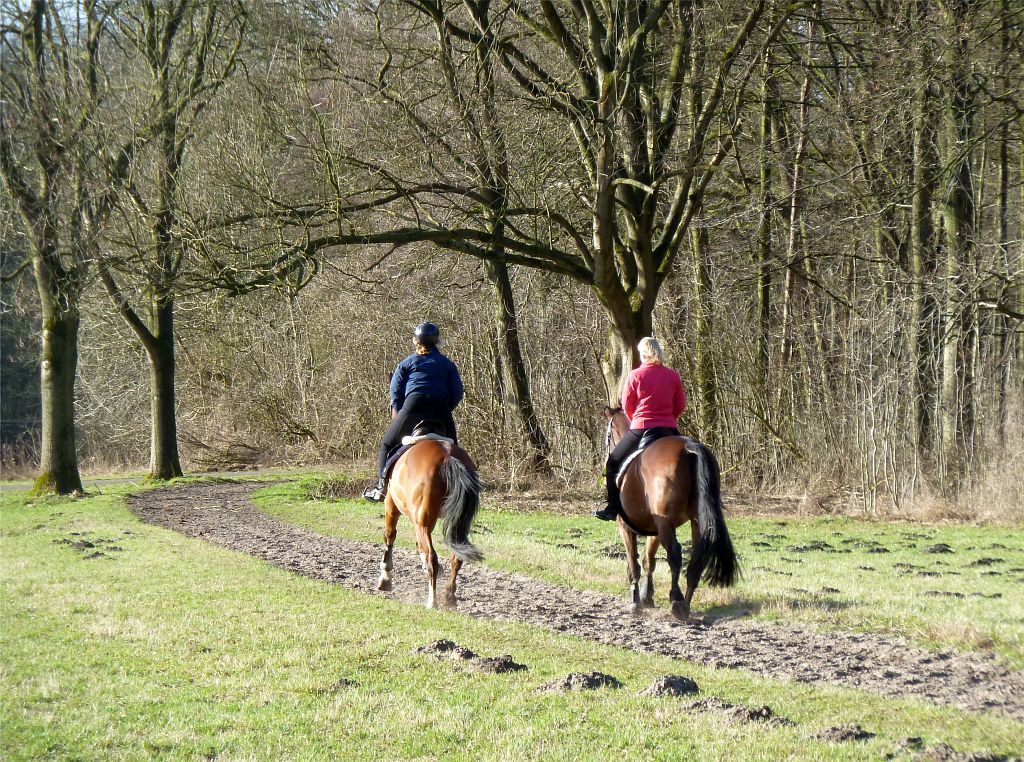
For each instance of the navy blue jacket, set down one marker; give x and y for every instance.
(432, 375)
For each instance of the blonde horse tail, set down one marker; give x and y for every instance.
(459, 508)
(714, 554)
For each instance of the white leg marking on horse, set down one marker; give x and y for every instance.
(431, 583)
(384, 583)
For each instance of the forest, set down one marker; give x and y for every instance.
(222, 219)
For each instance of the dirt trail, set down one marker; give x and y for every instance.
(224, 514)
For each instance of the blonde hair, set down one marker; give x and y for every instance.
(650, 350)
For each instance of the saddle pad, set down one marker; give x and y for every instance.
(408, 442)
(625, 467)
(397, 453)
(411, 440)
(644, 443)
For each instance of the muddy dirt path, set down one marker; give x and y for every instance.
(224, 514)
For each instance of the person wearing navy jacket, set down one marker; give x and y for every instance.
(425, 386)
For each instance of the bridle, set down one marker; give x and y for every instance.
(609, 436)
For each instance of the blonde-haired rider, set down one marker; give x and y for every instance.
(653, 399)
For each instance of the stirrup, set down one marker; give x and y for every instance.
(375, 492)
(608, 513)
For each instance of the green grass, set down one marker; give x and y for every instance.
(782, 580)
(172, 648)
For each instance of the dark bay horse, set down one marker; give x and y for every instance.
(672, 481)
(433, 479)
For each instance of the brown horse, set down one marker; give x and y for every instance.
(672, 481)
(433, 479)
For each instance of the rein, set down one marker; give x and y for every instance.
(609, 433)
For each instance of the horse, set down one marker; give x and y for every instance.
(673, 480)
(433, 479)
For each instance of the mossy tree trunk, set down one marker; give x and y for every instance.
(49, 155)
(58, 465)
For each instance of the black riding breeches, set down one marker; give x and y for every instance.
(621, 451)
(417, 408)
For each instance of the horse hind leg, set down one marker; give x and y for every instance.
(391, 515)
(632, 566)
(429, 558)
(696, 566)
(647, 584)
(450, 599)
(674, 551)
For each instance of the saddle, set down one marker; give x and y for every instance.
(648, 438)
(423, 430)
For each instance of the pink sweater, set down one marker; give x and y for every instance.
(653, 396)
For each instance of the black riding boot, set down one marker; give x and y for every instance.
(613, 506)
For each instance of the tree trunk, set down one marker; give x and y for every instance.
(764, 234)
(705, 388)
(163, 455)
(625, 329)
(1002, 326)
(789, 381)
(157, 339)
(58, 467)
(788, 294)
(40, 67)
(480, 121)
(924, 310)
(958, 215)
(1020, 251)
(507, 325)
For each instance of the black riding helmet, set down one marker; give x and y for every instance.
(427, 334)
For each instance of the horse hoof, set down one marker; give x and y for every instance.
(384, 585)
(649, 604)
(636, 609)
(680, 611)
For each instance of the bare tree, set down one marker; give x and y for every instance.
(609, 82)
(188, 49)
(59, 167)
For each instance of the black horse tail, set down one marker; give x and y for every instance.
(713, 554)
(459, 508)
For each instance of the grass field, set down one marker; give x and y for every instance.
(171, 648)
